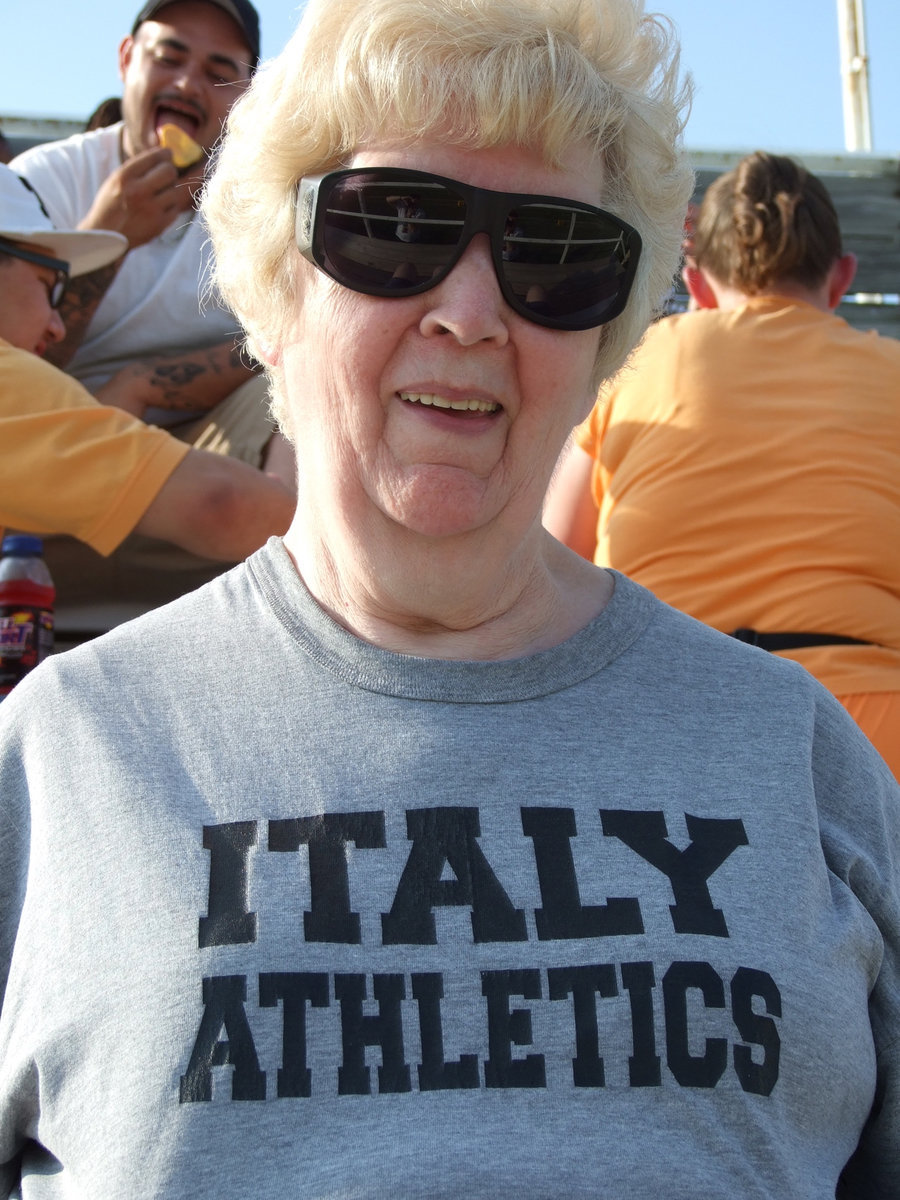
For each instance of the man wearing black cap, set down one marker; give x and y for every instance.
(139, 329)
(184, 63)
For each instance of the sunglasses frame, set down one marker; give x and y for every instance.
(58, 289)
(486, 212)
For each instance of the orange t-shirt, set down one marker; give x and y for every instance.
(70, 464)
(747, 471)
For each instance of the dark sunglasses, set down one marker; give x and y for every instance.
(386, 231)
(59, 285)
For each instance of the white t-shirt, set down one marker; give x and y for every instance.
(157, 301)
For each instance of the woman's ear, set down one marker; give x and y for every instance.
(841, 275)
(699, 287)
(270, 355)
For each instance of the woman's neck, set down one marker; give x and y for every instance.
(465, 597)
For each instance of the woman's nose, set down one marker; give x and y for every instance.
(469, 303)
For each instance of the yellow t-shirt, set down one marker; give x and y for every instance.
(69, 464)
(747, 471)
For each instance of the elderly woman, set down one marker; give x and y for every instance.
(417, 855)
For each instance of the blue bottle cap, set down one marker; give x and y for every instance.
(22, 545)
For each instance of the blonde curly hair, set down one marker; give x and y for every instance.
(475, 73)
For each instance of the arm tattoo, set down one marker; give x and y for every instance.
(198, 379)
(172, 385)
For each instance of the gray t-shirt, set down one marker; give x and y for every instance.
(292, 915)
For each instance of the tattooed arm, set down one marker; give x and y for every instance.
(191, 380)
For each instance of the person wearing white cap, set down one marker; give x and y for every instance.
(74, 465)
(141, 326)
(28, 236)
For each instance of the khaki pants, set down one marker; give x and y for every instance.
(239, 427)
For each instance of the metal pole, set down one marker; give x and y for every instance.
(854, 75)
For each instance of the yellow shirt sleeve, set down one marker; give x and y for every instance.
(70, 464)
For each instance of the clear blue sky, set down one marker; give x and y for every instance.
(767, 72)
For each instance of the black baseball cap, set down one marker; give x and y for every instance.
(241, 12)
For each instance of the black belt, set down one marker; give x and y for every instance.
(794, 641)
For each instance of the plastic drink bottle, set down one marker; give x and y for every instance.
(26, 609)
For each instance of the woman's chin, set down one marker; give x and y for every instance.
(440, 501)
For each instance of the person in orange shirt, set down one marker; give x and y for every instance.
(745, 465)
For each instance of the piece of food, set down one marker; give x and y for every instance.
(185, 151)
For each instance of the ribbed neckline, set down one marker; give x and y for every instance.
(371, 668)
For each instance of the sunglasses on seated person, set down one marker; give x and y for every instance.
(388, 231)
(61, 282)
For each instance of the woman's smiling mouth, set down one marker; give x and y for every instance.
(430, 400)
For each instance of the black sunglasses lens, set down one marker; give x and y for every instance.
(566, 265)
(389, 235)
(392, 235)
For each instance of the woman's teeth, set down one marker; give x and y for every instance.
(432, 401)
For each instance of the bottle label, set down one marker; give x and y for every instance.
(26, 638)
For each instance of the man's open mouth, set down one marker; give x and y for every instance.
(166, 115)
